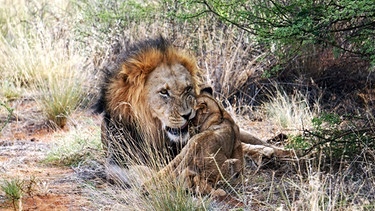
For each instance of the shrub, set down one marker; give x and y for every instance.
(339, 138)
(288, 27)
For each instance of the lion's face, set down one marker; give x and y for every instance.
(171, 98)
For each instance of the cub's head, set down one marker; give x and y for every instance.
(206, 106)
(154, 86)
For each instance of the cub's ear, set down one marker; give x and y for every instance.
(207, 90)
(201, 106)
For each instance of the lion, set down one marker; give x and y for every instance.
(147, 98)
(214, 152)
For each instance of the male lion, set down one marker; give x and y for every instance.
(147, 99)
(214, 152)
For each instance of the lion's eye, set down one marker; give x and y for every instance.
(164, 92)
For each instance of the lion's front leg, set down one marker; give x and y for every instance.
(179, 168)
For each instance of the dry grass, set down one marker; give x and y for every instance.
(63, 88)
(293, 112)
(42, 60)
(76, 146)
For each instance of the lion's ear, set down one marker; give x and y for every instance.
(207, 90)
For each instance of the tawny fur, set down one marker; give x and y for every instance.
(126, 97)
(213, 153)
(136, 113)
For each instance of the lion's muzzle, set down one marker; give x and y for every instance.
(178, 135)
(178, 131)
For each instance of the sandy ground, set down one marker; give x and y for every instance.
(24, 146)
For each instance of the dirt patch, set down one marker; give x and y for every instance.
(49, 202)
(44, 187)
(24, 145)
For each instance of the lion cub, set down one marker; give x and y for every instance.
(213, 153)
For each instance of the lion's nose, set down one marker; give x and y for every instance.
(187, 116)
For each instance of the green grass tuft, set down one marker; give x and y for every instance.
(75, 147)
(13, 192)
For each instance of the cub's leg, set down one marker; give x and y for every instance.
(232, 171)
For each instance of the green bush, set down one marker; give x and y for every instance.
(288, 27)
(338, 137)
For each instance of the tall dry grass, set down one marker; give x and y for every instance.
(290, 111)
(40, 58)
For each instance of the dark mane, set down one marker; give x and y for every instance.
(112, 69)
